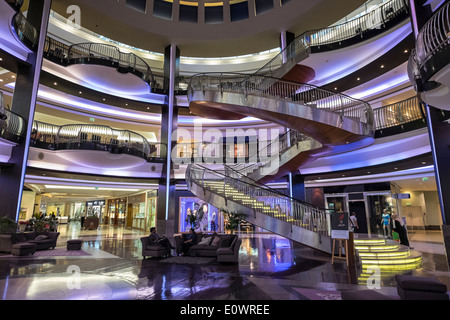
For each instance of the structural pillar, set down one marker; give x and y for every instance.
(12, 178)
(165, 218)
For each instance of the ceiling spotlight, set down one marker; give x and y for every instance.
(104, 99)
(79, 92)
(406, 51)
(1, 59)
(55, 83)
(382, 66)
(13, 76)
(358, 78)
(335, 88)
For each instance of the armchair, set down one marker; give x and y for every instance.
(152, 250)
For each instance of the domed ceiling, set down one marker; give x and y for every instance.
(204, 28)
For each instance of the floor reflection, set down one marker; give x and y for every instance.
(270, 267)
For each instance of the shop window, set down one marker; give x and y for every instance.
(188, 13)
(162, 9)
(139, 5)
(209, 218)
(262, 6)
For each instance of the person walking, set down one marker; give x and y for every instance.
(354, 222)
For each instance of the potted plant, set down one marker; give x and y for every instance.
(233, 219)
(7, 226)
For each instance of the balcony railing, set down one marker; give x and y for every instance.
(125, 61)
(434, 35)
(398, 113)
(95, 137)
(12, 126)
(26, 32)
(15, 4)
(376, 19)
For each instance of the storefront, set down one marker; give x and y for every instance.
(136, 217)
(116, 211)
(95, 208)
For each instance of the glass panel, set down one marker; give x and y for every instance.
(213, 14)
(139, 5)
(239, 11)
(188, 13)
(262, 6)
(162, 9)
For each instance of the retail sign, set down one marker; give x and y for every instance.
(403, 196)
(339, 225)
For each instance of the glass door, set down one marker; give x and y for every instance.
(376, 203)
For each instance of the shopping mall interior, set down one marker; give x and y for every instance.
(120, 116)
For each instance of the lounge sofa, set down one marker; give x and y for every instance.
(223, 246)
(42, 240)
(155, 251)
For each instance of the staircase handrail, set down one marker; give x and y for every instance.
(295, 92)
(282, 207)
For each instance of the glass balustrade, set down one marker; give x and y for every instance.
(95, 137)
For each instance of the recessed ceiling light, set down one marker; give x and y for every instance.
(406, 51)
(358, 78)
(80, 92)
(1, 80)
(382, 66)
(1, 59)
(13, 76)
(395, 168)
(104, 99)
(55, 83)
(335, 88)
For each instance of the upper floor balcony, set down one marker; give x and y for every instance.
(428, 66)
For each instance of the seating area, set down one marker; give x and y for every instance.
(223, 246)
(25, 243)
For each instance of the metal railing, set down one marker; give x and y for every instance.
(271, 203)
(398, 113)
(15, 4)
(12, 126)
(375, 19)
(434, 35)
(299, 93)
(26, 32)
(81, 136)
(111, 53)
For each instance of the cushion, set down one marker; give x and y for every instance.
(420, 284)
(30, 235)
(41, 237)
(226, 241)
(224, 251)
(205, 241)
(215, 241)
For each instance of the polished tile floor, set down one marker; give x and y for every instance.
(270, 268)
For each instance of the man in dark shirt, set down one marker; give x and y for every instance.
(155, 240)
